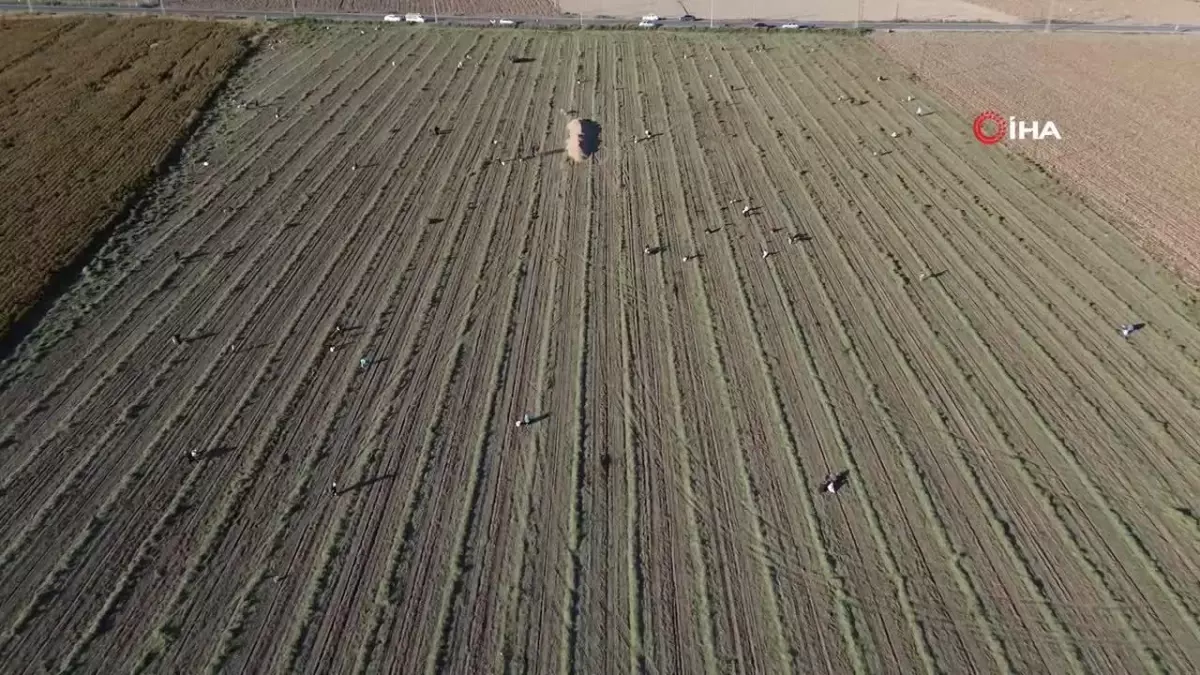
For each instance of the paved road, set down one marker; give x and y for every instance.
(611, 21)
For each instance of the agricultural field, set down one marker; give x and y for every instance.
(428, 7)
(1119, 101)
(88, 109)
(1000, 11)
(387, 258)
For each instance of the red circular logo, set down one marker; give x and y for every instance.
(999, 125)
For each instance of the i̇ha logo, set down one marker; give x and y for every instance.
(990, 127)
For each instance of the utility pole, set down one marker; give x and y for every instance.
(858, 17)
(710, 13)
(30, 3)
(1049, 13)
(293, 9)
(435, 19)
(162, 7)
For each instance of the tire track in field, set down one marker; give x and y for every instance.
(781, 554)
(215, 359)
(453, 320)
(601, 600)
(885, 637)
(1126, 387)
(1061, 254)
(920, 479)
(471, 632)
(518, 580)
(614, 167)
(530, 577)
(451, 588)
(400, 549)
(291, 402)
(1062, 513)
(254, 464)
(1124, 393)
(829, 590)
(767, 503)
(530, 635)
(129, 354)
(458, 385)
(588, 460)
(1100, 419)
(237, 625)
(749, 68)
(678, 604)
(112, 428)
(744, 636)
(103, 414)
(882, 255)
(639, 641)
(782, 549)
(907, 476)
(609, 172)
(848, 174)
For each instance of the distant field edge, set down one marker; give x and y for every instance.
(105, 221)
(571, 20)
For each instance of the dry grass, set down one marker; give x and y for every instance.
(88, 108)
(937, 318)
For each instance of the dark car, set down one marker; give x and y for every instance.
(760, 24)
(688, 17)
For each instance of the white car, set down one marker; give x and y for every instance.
(651, 18)
(393, 18)
(414, 18)
(789, 26)
(503, 22)
(648, 24)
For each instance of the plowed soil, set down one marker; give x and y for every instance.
(88, 109)
(1123, 104)
(1155, 12)
(429, 8)
(368, 302)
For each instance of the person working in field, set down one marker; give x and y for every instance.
(830, 484)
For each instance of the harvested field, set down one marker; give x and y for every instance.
(1003, 11)
(88, 109)
(1155, 12)
(426, 7)
(1120, 101)
(933, 317)
(812, 10)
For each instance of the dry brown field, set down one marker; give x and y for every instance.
(1003, 11)
(933, 317)
(426, 7)
(88, 109)
(1097, 11)
(1123, 104)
